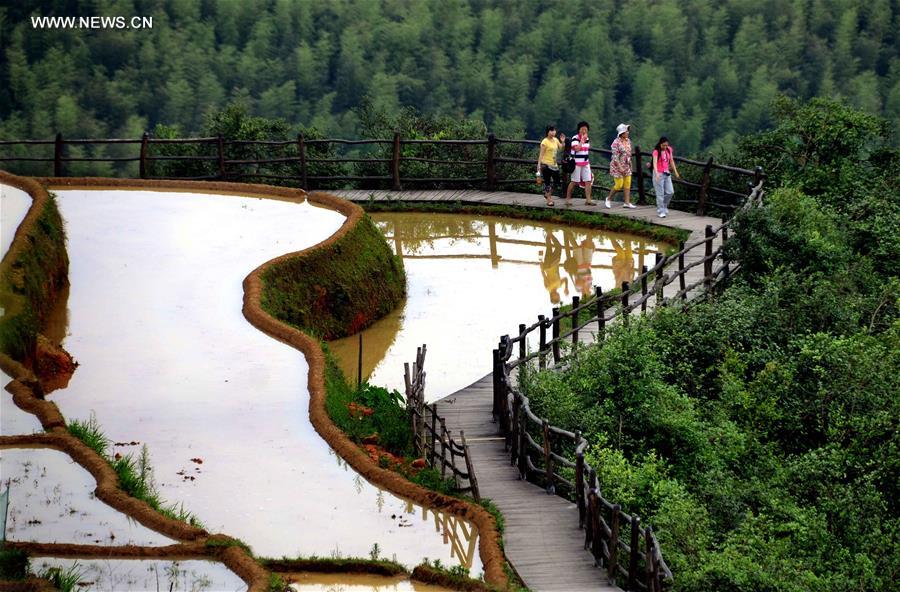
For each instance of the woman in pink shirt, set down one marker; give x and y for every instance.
(663, 167)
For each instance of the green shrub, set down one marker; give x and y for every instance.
(14, 564)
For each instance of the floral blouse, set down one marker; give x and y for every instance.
(620, 165)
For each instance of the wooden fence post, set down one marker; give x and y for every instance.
(473, 481)
(644, 288)
(434, 415)
(634, 555)
(555, 340)
(145, 141)
(626, 292)
(491, 166)
(704, 187)
(523, 443)
(707, 263)
(576, 302)
(395, 163)
(514, 431)
(601, 322)
(659, 282)
(503, 401)
(597, 538)
(57, 156)
(682, 282)
(648, 560)
(444, 448)
(613, 567)
(301, 152)
(640, 175)
(522, 341)
(548, 460)
(221, 145)
(495, 411)
(579, 482)
(542, 362)
(726, 267)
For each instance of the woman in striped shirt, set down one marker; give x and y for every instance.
(581, 147)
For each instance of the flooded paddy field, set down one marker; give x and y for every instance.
(52, 501)
(14, 204)
(145, 575)
(472, 279)
(317, 582)
(168, 361)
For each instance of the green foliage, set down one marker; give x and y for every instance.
(14, 563)
(337, 290)
(757, 432)
(64, 580)
(698, 71)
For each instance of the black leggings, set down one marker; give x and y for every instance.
(549, 176)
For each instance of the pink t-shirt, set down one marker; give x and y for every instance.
(663, 160)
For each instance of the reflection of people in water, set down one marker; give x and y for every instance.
(550, 267)
(570, 265)
(584, 257)
(622, 261)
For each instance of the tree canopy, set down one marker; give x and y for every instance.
(699, 71)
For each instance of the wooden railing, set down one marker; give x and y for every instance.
(554, 457)
(394, 163)
(432, 440)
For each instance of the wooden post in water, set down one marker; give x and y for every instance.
(57, 156)
(395, 163)
(145, 141)
(301, 152)
(548, 460)
(613, 566)
(626, 292)
(576, 302)
(634, 555)
(490, 165)
(640, 175)
(555, 340)
(220, 141)
(704, 187)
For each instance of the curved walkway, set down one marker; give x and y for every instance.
(542, 539)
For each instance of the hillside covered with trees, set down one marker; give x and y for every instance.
(701, 71)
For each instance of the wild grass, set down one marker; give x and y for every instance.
(64, 580)
(135, 474)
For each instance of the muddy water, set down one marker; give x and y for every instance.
(14, 204)
(120, 575)
(14, 421)
(316, 582)
(168, 360)
(472, 279)
(52, 501)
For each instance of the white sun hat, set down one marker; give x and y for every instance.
(623, 127)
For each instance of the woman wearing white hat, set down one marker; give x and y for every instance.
(620, 166)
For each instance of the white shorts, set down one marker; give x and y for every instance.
(582, 175)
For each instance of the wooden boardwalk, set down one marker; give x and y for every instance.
(542, 538)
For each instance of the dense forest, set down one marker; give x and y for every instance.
(701, 71)
(758, 432)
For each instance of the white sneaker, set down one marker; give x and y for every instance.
(663, 215)
(630, 206)
(607, 204)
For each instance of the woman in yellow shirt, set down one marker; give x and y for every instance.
(547, 166)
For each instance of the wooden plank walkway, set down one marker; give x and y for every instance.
(542, 538)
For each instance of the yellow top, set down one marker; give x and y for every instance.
(550, 146)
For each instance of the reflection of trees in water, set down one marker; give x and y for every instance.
(418, 233)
